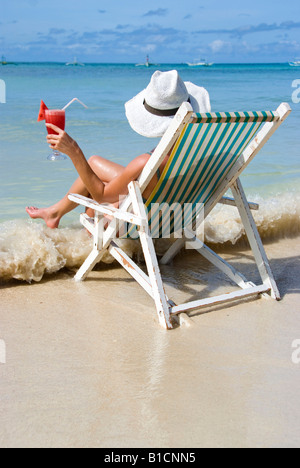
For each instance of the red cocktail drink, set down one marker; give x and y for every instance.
(56, 117)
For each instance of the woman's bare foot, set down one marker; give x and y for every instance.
(47, 214)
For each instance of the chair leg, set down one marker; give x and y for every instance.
(172, 251)
(99, 248)
(94, 258)
(254, 239)
(159, 294)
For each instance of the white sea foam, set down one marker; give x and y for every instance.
(29, 250)
(277, 217)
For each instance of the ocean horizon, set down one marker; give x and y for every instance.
(39, 62)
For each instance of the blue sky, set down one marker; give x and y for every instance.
(168, 30)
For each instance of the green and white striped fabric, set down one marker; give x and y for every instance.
(203, 155)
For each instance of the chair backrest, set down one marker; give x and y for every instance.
(205, 152)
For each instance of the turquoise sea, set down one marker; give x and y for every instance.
(28, 178)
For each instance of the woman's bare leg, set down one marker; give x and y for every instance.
(104, 169)
(53, 214)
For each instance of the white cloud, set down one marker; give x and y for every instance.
(149, 48)
(158, 12)
(218, 46)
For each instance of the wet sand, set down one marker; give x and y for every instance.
(87, 364)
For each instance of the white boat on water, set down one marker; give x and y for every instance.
(75, 63)
(295, 64)
(202, 63)
(147, 64)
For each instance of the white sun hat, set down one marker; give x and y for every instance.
(151, 111)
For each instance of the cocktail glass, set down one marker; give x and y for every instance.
(56, 117)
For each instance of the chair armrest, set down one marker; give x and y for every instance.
(107, 210)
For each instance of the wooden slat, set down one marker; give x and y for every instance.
(231, 202)
(131, 267)
(222, 299)
(235, 117)
(94, 257)
(160, 298)
(106, 210)
(172, 251)
(252, 233)
(219, 262)
(88, 223)
(134, 270)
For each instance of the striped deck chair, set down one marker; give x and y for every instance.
(208, 153)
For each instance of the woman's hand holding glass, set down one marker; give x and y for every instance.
(60, 140)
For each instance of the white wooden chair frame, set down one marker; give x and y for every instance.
(153, 283)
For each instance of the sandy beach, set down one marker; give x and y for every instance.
(87, 365)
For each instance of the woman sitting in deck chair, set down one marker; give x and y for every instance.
(149, 114)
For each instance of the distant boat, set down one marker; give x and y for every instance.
(75, 63)
(146, 64)
(202, 63)
(295, 64)
(4, 62)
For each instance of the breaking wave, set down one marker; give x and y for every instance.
(276, 218)
(29, 250)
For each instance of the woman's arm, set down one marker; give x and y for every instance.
(100, 192)
(64, 143)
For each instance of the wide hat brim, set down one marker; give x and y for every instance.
(146, 124)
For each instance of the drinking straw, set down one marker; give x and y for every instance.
(75, 99)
